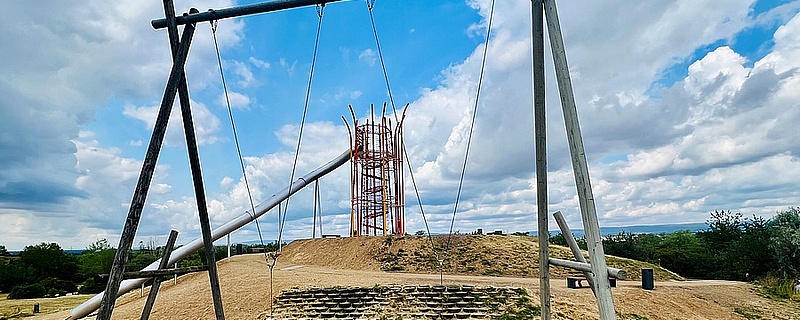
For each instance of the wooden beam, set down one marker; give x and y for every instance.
(580, 167)
(540, 138)
(573, 245)
(151, 298)
(194, 165)
(145, 177)
(585, 267)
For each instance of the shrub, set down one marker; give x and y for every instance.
(35, 290)
(785, 241)
(92, 285)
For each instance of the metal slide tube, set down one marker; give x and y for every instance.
(217, 14)
(238, 222)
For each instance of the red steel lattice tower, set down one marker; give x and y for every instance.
(376, 176)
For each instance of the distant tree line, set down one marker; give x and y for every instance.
(46, 270)
(733, 247)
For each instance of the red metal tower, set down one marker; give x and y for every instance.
(376, 177)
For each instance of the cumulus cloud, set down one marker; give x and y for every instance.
(60, 66)
(237, 100)
(206, 124)
(368, 56)
(660, 149)
(720, 118)
(261, 64)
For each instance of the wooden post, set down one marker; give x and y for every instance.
(145, 177)
(540, 137)
(580, 168)
(194, 164)
(573, 245)
(151, 298)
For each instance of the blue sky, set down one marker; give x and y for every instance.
(686, 107)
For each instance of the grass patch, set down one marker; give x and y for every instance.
(24, 307)
(631, 316)
(749, 314)
(522, 309)
(777, 288)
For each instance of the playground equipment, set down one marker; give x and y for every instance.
(376, 178)
(377, 186)
(238, 222)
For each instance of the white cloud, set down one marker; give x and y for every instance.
(722, 117)
(720, 138)
(261, 64)
(206, 124)
(246, 78)
(347, 96)
(368, 56)
(238, 100)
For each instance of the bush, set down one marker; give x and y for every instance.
(58, 287)
(785, 241)
(777, 287)
(92, 285)
(35, 290)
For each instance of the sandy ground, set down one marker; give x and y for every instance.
(247, 287)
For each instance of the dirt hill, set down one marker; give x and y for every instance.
(250, 290)
(486, 255)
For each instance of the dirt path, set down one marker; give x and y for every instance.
(245, 282)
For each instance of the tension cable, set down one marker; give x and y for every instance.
(320, 12)
(471, 127)
(370, 6)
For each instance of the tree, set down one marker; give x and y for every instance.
(48, 260)
(683, 252)
(14, 273)
(96, 259)
(745, 256)
(738, 247)
(3, 251)
(785, 241)
(723, 228)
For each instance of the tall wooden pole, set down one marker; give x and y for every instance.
(194, 165)
(540, 132)
(145, 177)
(579, 166)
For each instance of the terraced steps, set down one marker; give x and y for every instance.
(399, 302)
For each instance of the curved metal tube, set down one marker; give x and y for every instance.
(127, 285)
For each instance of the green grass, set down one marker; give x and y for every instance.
(18, 308)
(777, 288)
(631, 316)
(746, 313)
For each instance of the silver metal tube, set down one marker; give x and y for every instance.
(238, 222)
